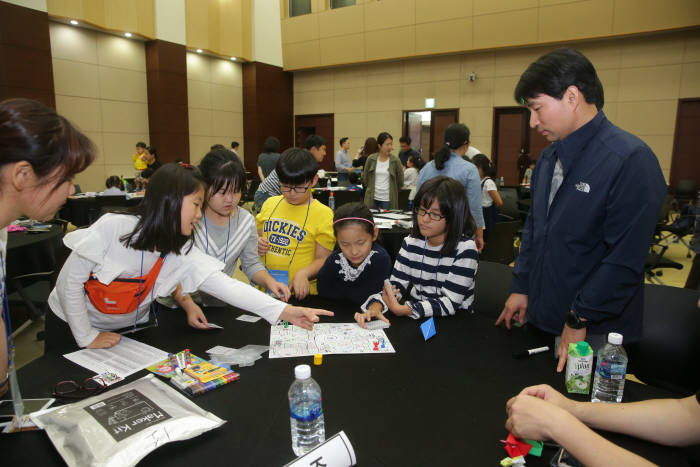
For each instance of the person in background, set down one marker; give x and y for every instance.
(490, 199)
(471, 152)
(151, 158)
(527, 176)
(541, 413)
(370, 147)
(449, 161)
(410, 176)
(523, 163)
(137, 158)
(693, 280)
(342, 159)
(406, 151)
(267, 160)
(234, 148)
(114, 185)
(354, 179)
(40, 153)
(382, 176)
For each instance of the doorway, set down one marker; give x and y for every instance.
(511, 133)
(319, 124)
(686, 152)
(426, 129)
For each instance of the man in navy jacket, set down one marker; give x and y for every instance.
(596, 195)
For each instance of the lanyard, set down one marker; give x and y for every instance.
(6, 312)
(308, 208)
(228, 235)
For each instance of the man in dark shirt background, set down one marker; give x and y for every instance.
(406, 150)
(596, 195)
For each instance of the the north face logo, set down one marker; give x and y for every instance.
(584, 187)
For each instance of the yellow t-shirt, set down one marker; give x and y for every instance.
(288, 228)
(139, 164)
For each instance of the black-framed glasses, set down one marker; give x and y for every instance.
(420, 212)
(72, 390)
(295, 189)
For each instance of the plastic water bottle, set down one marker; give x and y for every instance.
(331, 201)
(609, 380)
(305, 412)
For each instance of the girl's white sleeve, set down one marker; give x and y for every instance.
(243, 296)
(72, 299)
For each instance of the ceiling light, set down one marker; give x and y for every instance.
(73, 22)
(127, 34)
(233, 58)
(199, 51)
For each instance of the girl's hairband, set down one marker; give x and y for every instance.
(353, 219)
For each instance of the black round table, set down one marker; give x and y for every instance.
(440, 402)
(32, 252)
(82, 210)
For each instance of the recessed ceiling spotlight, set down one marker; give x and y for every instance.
(199, 51)
(233, 58)
(127, 34)
(73, 22)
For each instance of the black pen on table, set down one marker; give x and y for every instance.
(527, 353)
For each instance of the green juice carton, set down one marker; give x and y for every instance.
(579, 365)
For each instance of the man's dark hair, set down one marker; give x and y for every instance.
(159, 225)
(405, 139)
(114, 182)
(234, 144)
(271, 144)
(315, 141)
(215, 147)
(353, 177)
(296, 166)
(553, 73)
(222, 171)
(343, 140)
(141, 144)
(152, 150)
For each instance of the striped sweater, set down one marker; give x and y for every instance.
(441, 284)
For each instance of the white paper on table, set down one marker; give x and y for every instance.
(383, 223)
(124, 359)
(336, 451)
(249, 318)
(327, 339)
(211, 325)
(393, 215)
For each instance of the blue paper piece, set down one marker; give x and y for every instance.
(428, 328)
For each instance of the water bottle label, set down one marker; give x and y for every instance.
(308, 414)
(614, 371)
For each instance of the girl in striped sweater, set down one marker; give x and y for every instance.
(437, 263)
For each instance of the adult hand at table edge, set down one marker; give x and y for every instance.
(302, 316)
(530, 417)
(551, 395)
(514, 308)
(568, 335)
(104, 340)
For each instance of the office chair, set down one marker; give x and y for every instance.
(499, 247)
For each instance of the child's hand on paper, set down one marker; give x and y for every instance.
(104, 340)
(374, 311)
(196, 318)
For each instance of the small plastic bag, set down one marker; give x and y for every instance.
(120, 427)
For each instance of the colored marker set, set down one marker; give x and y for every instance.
(193, 375)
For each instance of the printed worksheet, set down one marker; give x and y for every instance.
(124, 359)
(327, 338)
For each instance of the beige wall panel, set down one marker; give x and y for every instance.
(120, 52)
(198, 67)
(647, 51)
(575, 20)
(197, 23)
(121, 15)
(692, 48)
(650, 15)
(649, 83)
(484, 64)
(380, 74)
(490, 30)
(126, 170)
(313, 102)
(124, 117)
(503, 90)
(313, 80)
(478, 119)
(390, 43)
(482, 143)
(92, 179)
(444, 36)
(343, 49)
(603, 55)
(119, 147)
(385, 121)
(300, 29)
(663, 148)
(350, 100)
(226, 72)
(225, 123)
(318, 6)
(484, 7)
(477, 93)
(75, 79)
(199, 147)
(72, 43)
(447, 94)
(440, 10)
(348, 77)
(350, 124)
(610, 110)
(200, 121)
(85, 113)
(690, 80)
(414, 95)
(97, 138)
(123, 85)
(341, 21)
(146, 17)
(610, 80)
(198, 94)
(229, 98)
(432, 69)
(302, 54)
(382, 98)
(389, 14)
(515, 62)
(647, 118)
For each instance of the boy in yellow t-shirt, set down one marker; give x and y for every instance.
(295, 231)
(139, 163)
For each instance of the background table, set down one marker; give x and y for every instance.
(440, 402)
(79, 210)
(32, 252)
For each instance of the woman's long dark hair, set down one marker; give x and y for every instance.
(159, 224)
(456, 135)
(222, 171)
(454, 205)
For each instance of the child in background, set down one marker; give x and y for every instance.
(359, 267)
(139, 162)
(410, 176)
(295, 231)
(439, 258)
(528, 173)
(490, 199)
(354, 179)
(115, 187)
(122, 262)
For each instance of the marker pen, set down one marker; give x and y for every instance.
(527, 353)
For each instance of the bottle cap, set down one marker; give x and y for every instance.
(302, 372)
(318, 359)
(615, 338)
(583, 348)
